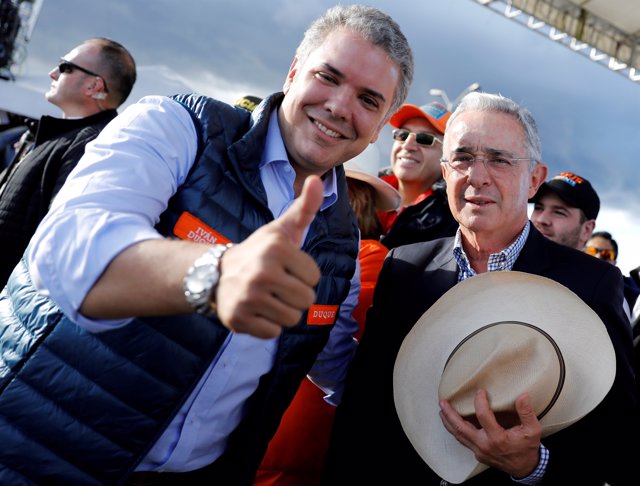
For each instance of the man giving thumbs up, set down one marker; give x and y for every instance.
(198, 263)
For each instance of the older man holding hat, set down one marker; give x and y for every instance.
(497, 356)
(415, 172)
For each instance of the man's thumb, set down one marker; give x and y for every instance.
(300, 214)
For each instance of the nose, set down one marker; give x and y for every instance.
(54, 73)
(478, 174)
(410, 142)
(339, 103)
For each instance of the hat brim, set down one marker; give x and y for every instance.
(483, 300)
(406, 112)
(387, 196)
(544, 188)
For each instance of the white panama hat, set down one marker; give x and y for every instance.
(505, 332)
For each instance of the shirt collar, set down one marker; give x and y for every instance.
(275, 152)
(274, 149)
(500, 261)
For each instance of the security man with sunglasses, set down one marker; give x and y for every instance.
(88, 84)
(415, 172)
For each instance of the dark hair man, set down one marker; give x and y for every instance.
(88, 84)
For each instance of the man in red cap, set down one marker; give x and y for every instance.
(416, 173)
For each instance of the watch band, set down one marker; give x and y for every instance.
(201, 280)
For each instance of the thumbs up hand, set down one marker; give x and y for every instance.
(267, 281)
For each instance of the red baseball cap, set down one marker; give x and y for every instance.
(434, 113)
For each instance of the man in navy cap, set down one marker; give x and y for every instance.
(565, 209)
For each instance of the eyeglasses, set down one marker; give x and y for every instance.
(494, 163)
(604, 253)
(66, 67)
(423, 138)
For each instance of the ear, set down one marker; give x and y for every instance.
(536, 177)
(444, 168)
(293, 70)
(587, 229)
(97, 89)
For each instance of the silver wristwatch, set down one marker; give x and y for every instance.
(201, 280)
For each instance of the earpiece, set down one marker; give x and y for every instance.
(99, 95)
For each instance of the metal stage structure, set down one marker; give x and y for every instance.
(606, 31)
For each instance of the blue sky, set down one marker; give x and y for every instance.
(587, 114)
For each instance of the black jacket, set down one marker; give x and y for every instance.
(368, 444)
(28, 187)
(427, 220)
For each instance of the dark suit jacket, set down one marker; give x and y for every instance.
(368, 445)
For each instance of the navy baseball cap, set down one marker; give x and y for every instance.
(574, 190)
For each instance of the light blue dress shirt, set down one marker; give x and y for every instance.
(113, 199)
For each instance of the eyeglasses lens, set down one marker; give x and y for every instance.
(65, 67)
(422, 138)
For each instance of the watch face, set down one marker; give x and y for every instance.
(200, 280)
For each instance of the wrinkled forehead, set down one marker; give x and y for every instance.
(481, 131)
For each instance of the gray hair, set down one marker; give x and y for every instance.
(373, 25)
(478, 101)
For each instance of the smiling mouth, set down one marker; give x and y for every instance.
(327, 131)
(404, 160)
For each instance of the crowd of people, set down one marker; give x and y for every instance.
(204, 293)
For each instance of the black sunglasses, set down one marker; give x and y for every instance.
(423, 138)
(66, 67)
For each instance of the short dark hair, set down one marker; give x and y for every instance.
(120, 68)
(607, 236)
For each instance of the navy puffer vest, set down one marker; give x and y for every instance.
(83, 408)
